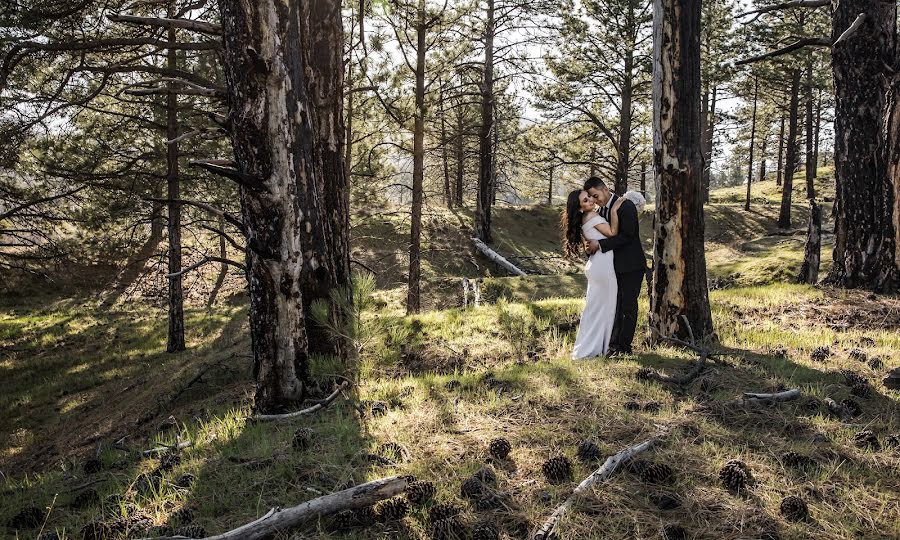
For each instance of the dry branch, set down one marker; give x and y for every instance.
(205, 260)
(799, 44)
(766, 399)
(497, 259)
(850, 29)
(315, 408)
(276, 520)
(187, 24)
(612, 463)
(683, 379)
(167, 448)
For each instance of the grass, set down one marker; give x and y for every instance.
(77, 378)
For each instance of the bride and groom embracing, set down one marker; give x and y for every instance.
(608, 223)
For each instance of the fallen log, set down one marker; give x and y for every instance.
(279, 520)
(751, 398)
(611, 465)
(304, 412)
(497, 259)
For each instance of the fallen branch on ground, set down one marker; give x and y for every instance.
(167, 448)
(612, 463)
(315, 408)
(766, 399)
(496, 258)
(681, 380)
(276, 520)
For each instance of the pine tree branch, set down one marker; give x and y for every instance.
(186, 24)
(799, 44)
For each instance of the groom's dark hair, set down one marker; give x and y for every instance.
(594, 182)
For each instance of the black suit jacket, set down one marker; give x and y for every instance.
(629, 254)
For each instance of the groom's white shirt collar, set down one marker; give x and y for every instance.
(611, 197)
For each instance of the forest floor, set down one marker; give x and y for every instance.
(85, 389)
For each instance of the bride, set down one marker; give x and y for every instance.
(580, 222)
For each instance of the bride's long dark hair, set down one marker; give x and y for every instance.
(570, 224)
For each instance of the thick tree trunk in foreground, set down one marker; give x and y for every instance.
(175, 340)
(679, 291)
(284, 73)
(485, 151)
(790, 161)
(892, 132)
(752, 143)
(809, 271)
(865, 236)
(325, 201)
(413, 300)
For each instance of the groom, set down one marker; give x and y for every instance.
(629, 262)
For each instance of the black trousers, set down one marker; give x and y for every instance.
(626, 309)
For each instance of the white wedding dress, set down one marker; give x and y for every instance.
(599, 313)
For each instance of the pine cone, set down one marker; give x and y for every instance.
(183, 515)
(853, 406)
(191, 531)
(499, 448)
(302, 439)
(859, 355)
(861, 390)
(867, 439)
(49, 535)
(486, 475)
(644, 374)
(393, 451)
(418, 492)
(450, 528)
(452, 384)
(169, 461)
(736, 476)
(866, 341)
(794, 460)
(852, 377)
(557, 469)
(185, 480)
(471, 488)
(392, 509)
(652, 406)
(658, 473)
(794, 509)
(365, 516)
(379, 408)
(892, 441)
(488, 501)
(485, 531)
(673, 532)
(343, 521)
(875, 363)
(638, 466)
(632, 406)
(29, 517)
(820, 354)
(442, 511)
(97, 530)
(589, 451)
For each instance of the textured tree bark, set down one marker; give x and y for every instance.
(865, 236)
(413, 301)
(892, 132)
(709, 130)
(818, 126)
(752, 143)
(644, 178)
(679, 295)
(809, 270)
(459, 151)
(790, 161)
(780, 164)
(445, 154)
(624, 151)
(810, 147)
(763, 144)
(175, 341)
(485, 151)
(550, 184)
(284, 73)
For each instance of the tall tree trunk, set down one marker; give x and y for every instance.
(709, 130)
(413, 301)
(780, 164)
(809, 271)
(864, 250)
(175, 340)
(790, 162)
(445, 154)
(624, 150)
(485, 152)
(891, 133)
(810, 158)
(818, 126)
(679, 293)
(593, 170)
(644, 178)
(763, 144)
(550, 184)
(284, 72)
(495, 156)
(459, 151)
(752, 143)
(348, 137)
